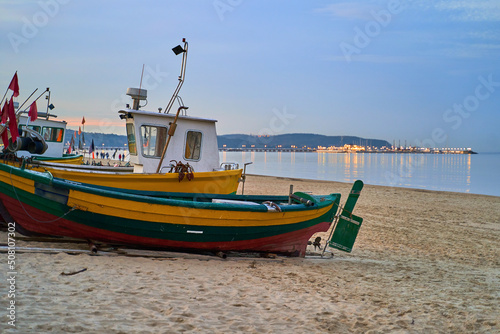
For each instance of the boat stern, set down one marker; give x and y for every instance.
(347, 224)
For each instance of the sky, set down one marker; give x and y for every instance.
(422, 72)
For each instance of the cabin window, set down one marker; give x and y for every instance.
(51, 134)
(32, 127)
(153, 140)
(193, 145)
(132, 148)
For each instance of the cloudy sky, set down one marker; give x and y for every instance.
(425, 72)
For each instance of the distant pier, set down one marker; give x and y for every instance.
(267, 149)
(352, 150)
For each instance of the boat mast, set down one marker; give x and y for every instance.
(179, 49)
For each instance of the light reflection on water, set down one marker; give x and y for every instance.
(449, 172)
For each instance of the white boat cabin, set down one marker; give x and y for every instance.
(52, 132)
(194, 140)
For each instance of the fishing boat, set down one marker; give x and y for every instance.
(41, 140)
(192, 164)
(39, 203)
(173, 152)
(52, 131)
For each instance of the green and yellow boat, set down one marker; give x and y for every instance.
(40, 203)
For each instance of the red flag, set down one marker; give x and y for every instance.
(5, 138)
(71, 144)
(92, 147)
(83, 120)
(79, 130)
(5, 115)
(14, 85)
(14, 133)
(33, 113)
(5, 112)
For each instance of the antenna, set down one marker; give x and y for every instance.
(177, 50)
(142, 74)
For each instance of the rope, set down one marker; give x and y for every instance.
(342, 210)
(335, 220)
(27, 213)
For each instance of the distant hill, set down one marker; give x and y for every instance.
(237, 140)
(108, 139)
(298, 139)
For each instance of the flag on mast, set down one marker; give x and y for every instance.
(14, 85)
(80, 132)
(5, 115)
(33, 113)
(14, 133)
(5, 138)
(5, 112)
(92, 148)
(71, 144)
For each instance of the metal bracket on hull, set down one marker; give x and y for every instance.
(346, 225)
(50, 192)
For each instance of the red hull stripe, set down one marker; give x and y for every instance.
(293, 243)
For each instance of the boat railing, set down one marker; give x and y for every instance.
(229, 165)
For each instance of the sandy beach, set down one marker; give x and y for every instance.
(424, 262)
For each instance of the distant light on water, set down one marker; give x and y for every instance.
(465, 173)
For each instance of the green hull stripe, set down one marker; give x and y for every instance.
(165, 231)
(44, 178)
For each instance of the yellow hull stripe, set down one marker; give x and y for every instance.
(171, 214)
(223, 182)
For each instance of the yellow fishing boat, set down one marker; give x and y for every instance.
(173, 152)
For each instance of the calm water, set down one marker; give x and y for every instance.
(477, 173)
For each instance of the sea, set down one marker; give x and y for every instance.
(464, 173)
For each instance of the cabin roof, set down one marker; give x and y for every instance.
(158, 114)
(41, 120)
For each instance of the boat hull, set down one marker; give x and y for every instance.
(218, 182)
(120, 178)
(52, 207)
(72, 159)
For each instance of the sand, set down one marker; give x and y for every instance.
(424, 262)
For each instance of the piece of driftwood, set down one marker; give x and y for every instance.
(74, 272)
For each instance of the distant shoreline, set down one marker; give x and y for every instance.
(441, 151)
